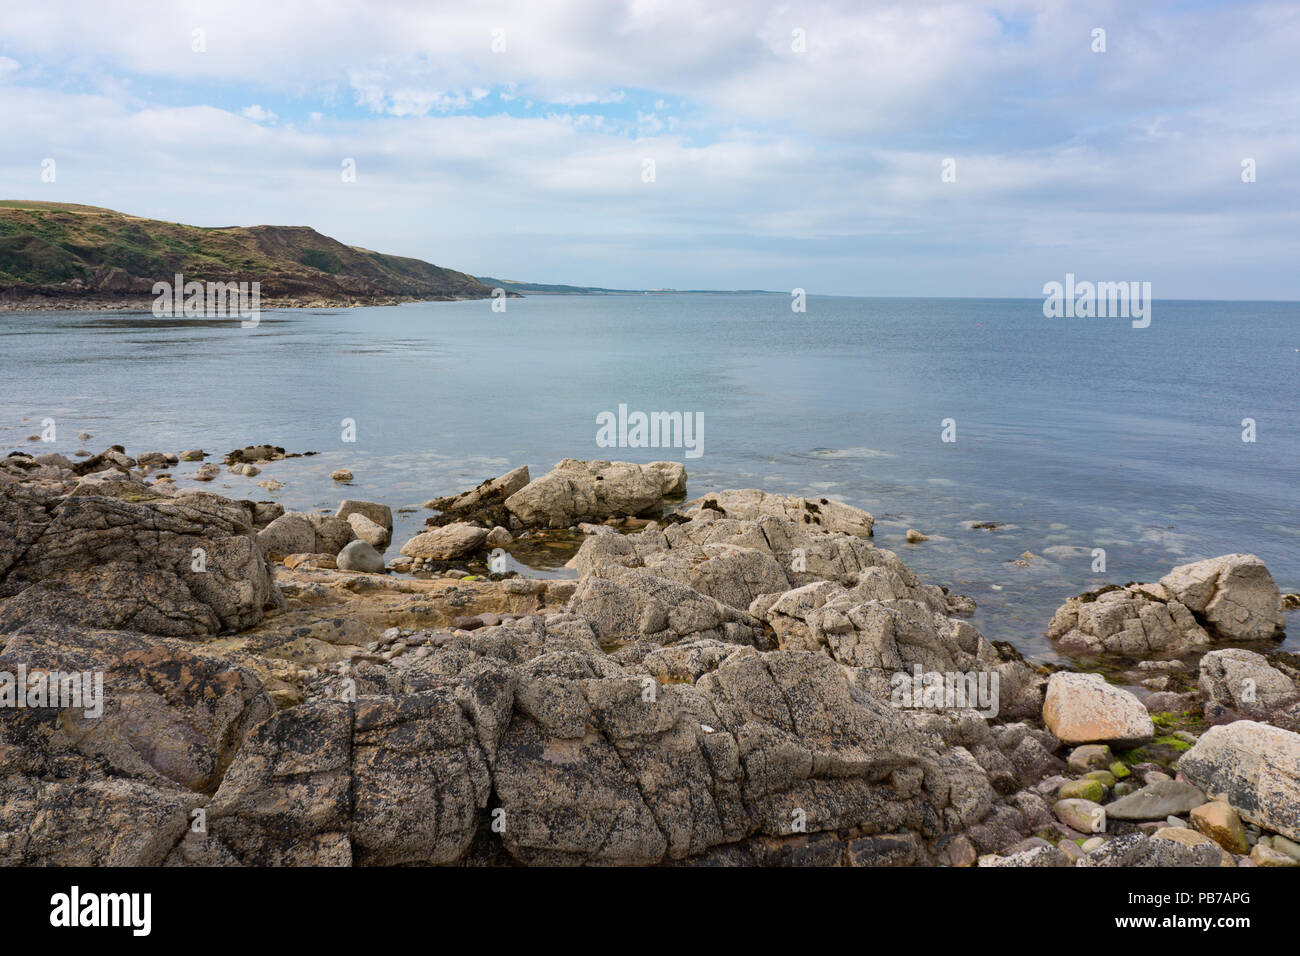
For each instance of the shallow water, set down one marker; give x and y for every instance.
(1075, 434)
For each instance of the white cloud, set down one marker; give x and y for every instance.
(258, 115)
(823, 163)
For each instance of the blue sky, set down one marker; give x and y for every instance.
(775, 166)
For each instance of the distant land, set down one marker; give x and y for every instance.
(543, 288)
(67, 256)
(70, 256)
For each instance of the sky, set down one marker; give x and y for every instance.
(794, 145)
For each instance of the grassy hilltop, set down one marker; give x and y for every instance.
(65, 252)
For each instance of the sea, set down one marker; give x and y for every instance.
(1100, 452)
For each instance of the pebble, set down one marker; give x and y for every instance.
(341, 474)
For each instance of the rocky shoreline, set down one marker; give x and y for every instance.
(18, 300)
(739, 679)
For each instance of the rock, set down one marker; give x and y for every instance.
(588, 491)
(360, 556)
(291, 533)
(1085, 816)
(1239, 683)
(1283, 845)
(499, 537)
(624, 604)
(484, 504)
(1138, 849)
(193, 454)
(1255, 768)
(254, 453)
(446, 543)
(332, 533)
(1091, 790)
(206, 472)
(1218, 821)
(1157, 801)
(1134, 621)
(1038, 856)
(750, 504)
(1083, 708)
(1089, 757)
(1290, 602)
(374, 536)
(380, 514)
(915, 537)
(1234, 594)
(1262, 855)
(341, 474)
(181, 566)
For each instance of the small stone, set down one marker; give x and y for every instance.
(915, 537)
(499, 537)
(1263, 855)
(1218, 821)
(1119, 770)
(1089, 757)
(341, 474)
(1290, 847)
(1091, 790)
(84, 436)
(1104, 777)
(1092, 843)
(1085, 816)
(1073, 851)
(193, 454)
(1155, 776)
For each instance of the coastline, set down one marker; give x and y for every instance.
(709, 606)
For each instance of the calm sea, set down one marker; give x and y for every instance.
(1073, 434)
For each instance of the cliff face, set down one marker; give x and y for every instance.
(66, 253)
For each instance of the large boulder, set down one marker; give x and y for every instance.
(1252, 766)
(1234, 594)
(446, 543)
(576, 491)
(1242, 684)
(1135, 621)
(181, 566)
(1084, 709)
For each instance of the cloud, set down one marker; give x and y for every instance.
(258, 115)
(819, 164)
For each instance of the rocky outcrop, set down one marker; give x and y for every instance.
(577, 491)
(180, 566)
(1232, 597)
(751, 504)
(483, 504)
